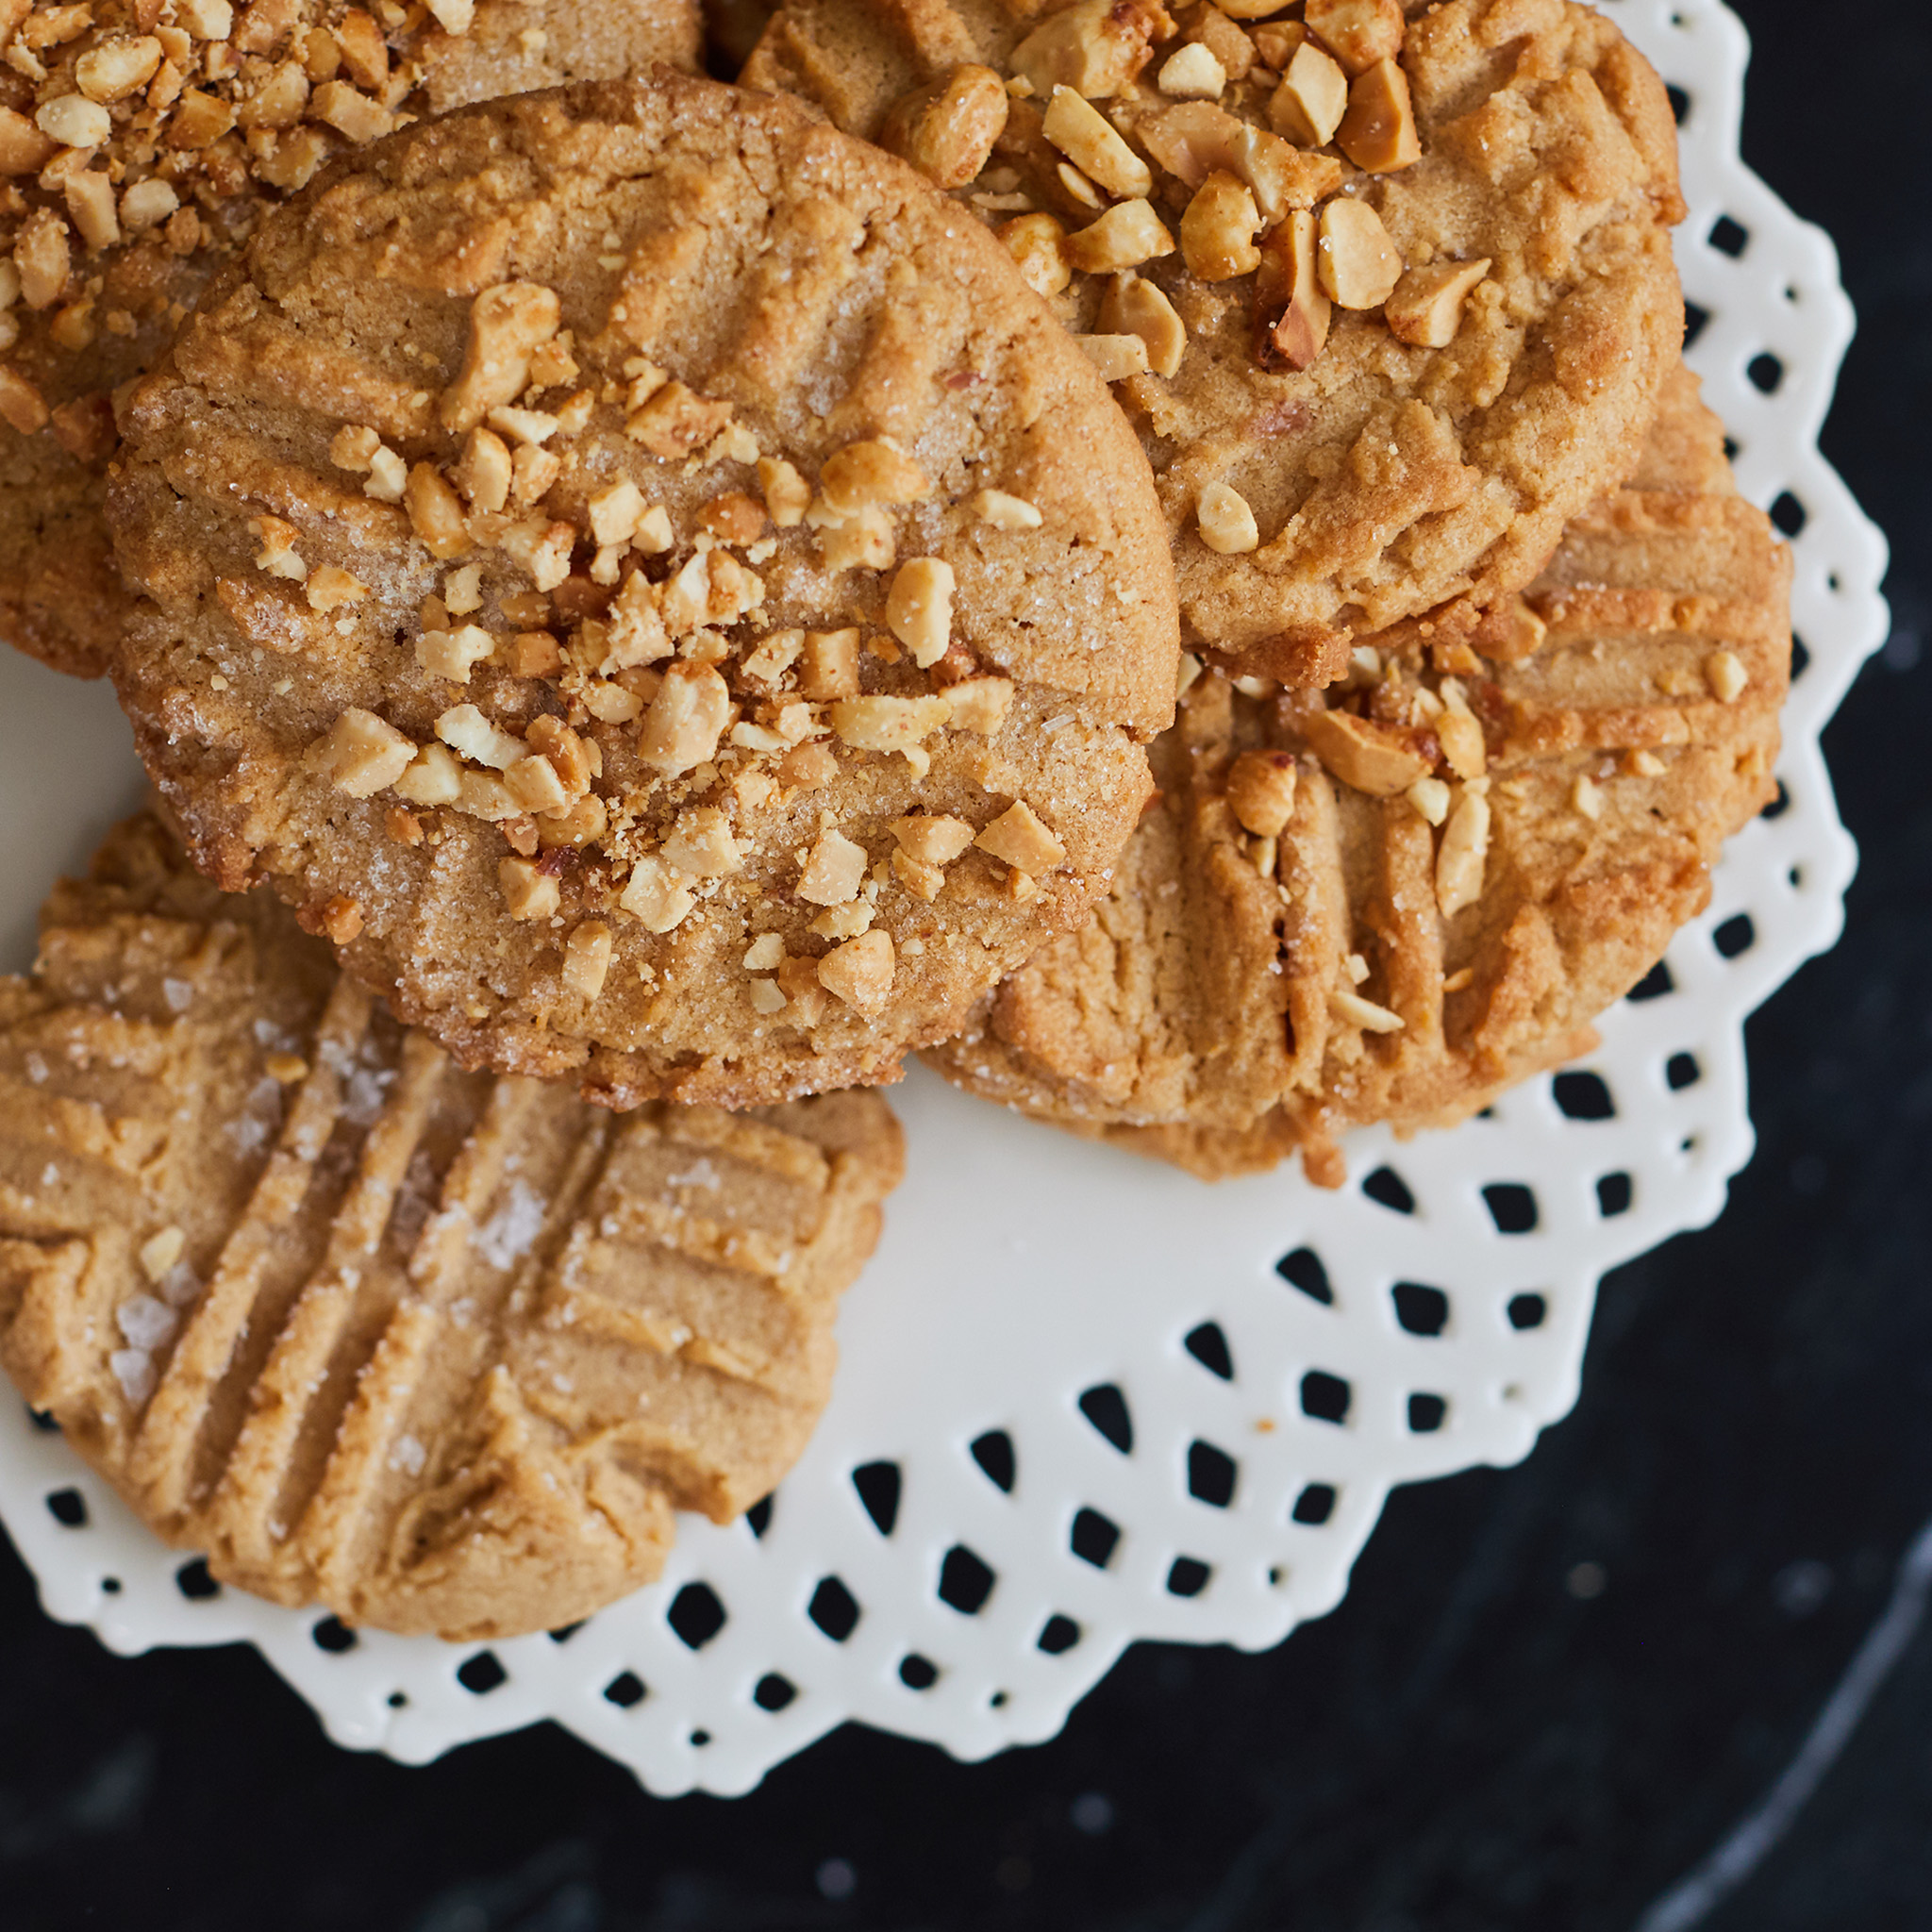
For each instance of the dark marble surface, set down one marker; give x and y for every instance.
(1485, 1735)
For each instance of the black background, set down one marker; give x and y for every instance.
(1467, 1743)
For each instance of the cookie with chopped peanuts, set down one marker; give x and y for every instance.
(1390, 900)
(140, 141)
(441, 1351)
(1387, 288)
(695, 648)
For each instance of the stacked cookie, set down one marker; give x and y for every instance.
(647, 598)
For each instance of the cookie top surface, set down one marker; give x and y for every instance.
(639, 570)
(1390, 900)
(139, 140)
(442, 1351)
(1376, 371)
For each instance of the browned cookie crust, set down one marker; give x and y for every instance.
(639, 570)
(1388, 903)
(1327, 467)
(439, 1350)
(138, 141)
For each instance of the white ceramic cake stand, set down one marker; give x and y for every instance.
(1083, 1398)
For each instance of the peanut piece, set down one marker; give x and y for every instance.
(833, 871)
(1133, 307)
(1291, 308)
(1192, 74)
(676, 421)
(1358, 262)
(863, 475)
(686, 719)
(1723, 671)
(947, 128)
(1372, 757)
(979, 705)
(507, 324)
(1462, 854)
(433, 778)
(90, 204)
(889, 724)
(828, 665)
(1038, 246)
(586, 959)
(361, 753)
(919, 608)
(1024, 839)
(931, 838)
(1359, 32)
(1261, 792)
(40, 256)
(471, 735)
(338, 105)
(147, 203)
(528, 892)
(1378, 132)
(1005, 512)
(1217, 231)
(1077, 129)
(659, 895)
(114, 69)
(1276, 39)
(1226, 523)
(451, 653)
(329, 588)
(1425, 309)
(277, 556)
(860, 972)
(22, 405)
(1095, 47)
(787, 493)
(1116, 356)
(74, 121)
(1229, 46)
(436, 515)
(1312, 100)
(700, 842)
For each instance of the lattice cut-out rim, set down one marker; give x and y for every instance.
(1084, 1400)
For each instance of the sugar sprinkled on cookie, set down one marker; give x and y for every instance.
(579, 542)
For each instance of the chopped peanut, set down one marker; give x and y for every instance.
(932, 839)
(112, 69)
(1425, 309)
(1292, 310)
(919, 608)
(676, 421)
(1226, 523)
(615, 513)
(1462, 854)
(74, 121)
(1005, 512)
(277, 556)
(947, 128)
(860, 972)
(22, 405)
(787, 493)
(765, 953)
(159, 1252)
(808, 767)
(1192, 74)
(1038, 246)
(361, 753)
(1095, 47)
(1126, 235)
(1076, 128)
(1378, 132)
(828, 665)
(1356, 1011)
(834, 869)
(1116, 356)
(1430, 797)
(586, 959)
(528, 892)
(329, 588)
(979, 705)
(1023, 839)
(1134, 307)
(1370, 757)
(1462, 736)
(658, 894)
(1217, 229)
(686, 719)
(434, 777)
(1312, 99)
(1723, 671)
(700, 842)
(469, 733)
(921, 880)
(91, 203)
(865, 474)
(1358, 262)
(41, 255)
(1359, 32)
(889, 724)
(353, 447)
(436, 515)
(1260, 790)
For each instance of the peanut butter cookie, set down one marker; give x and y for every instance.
(1387, 902)
(140, 139)
(439, 1350)
(639, 570)
(1385, 287)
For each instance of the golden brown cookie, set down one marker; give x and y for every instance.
(140, 141)
(1387, 288)
(1387, 902)
(439, 1350)
(642, 573)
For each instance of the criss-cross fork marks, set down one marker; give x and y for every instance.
(439, 1301)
